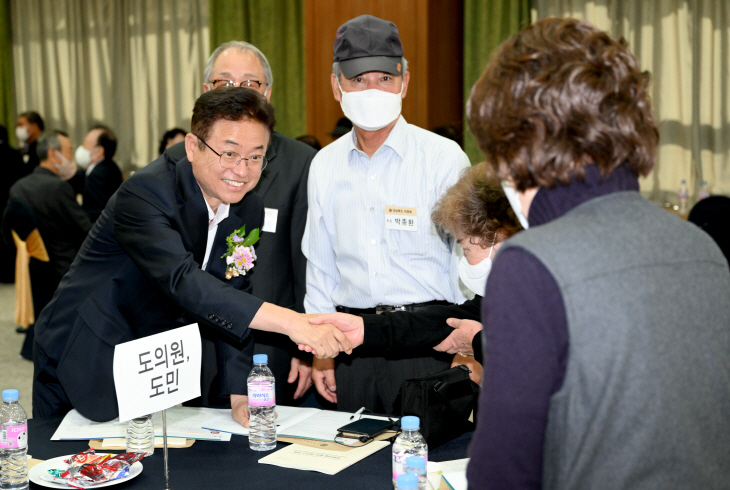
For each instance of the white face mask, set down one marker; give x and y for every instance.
(83, 156)
(371, 109)
(514, 201)
(475, 276)
(21, 132)
(67, 168)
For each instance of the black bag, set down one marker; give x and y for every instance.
(443, 401)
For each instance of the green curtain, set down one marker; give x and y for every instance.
(276, 27)
(487, 23)
(7, 86)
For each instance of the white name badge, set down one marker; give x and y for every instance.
(400, 218)
(157, 372)
(270, 216)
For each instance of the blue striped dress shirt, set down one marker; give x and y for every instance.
(352, 258)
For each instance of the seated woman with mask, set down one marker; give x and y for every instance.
(477, 213)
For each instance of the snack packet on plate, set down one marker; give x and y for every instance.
(98, 469)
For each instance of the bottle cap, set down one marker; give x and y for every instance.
(10, 395)
(407, 482)
(416, 462)
(409, 422)
(260, 359)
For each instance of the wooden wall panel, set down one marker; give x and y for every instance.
(431, 32)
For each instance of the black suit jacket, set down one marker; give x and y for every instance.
(281, 267)
(60, 220)
(101, 184)
(137, 274)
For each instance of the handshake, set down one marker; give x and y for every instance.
(332, 333)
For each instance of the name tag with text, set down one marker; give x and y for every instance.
(400, 218)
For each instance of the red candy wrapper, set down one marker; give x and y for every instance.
(87, 469)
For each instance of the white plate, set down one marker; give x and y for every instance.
(57, 463)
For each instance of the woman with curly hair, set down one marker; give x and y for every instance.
(607, 354)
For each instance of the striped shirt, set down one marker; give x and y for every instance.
(353, 258)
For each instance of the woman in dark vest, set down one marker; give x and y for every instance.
(608, 354)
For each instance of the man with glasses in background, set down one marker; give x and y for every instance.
(279, 276)
(156, 260)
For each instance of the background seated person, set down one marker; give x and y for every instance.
(476, 211)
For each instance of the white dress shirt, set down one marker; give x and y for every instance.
(213, 220)
(352, 258)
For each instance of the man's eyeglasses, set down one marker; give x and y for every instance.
(254, 84)
(231, 159)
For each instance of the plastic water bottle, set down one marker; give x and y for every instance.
(262, 405)
(683, 196)
(409, 442)
(407, 482)
(704, 192)
(416, 465)
(13, 443)
(141, 436)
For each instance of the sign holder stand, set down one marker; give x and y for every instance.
(164, 447)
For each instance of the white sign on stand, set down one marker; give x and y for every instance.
(157, 372)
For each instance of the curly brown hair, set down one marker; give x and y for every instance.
(476, 207)
(557, 96)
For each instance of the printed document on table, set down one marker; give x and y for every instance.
(322, 425)
(306, 423)
(222, 419)
(322, 460)
(181, 422)
(449, 468)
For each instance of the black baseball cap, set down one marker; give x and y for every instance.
(367, 43)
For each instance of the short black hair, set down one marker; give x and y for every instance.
(168, 136)
(34, 118)
(107, 140)
(230, 104)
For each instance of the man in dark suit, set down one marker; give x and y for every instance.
(28, 129)
(281, 266)
(153, 262)
(61, 222)
(100, 177)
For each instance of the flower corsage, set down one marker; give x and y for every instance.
(240, 255)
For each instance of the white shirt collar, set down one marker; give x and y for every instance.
(218, 216)
(91, 167)
(396, 140)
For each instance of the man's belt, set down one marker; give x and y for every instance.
(383, 308)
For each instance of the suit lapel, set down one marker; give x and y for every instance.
(271, 170)
(193, 212)
(216, 264)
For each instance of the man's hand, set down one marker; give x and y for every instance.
(351, 325)
(324, 340)
(469, 361)
(302, 370)
(239, 409)
(460, 339)
(323, 375)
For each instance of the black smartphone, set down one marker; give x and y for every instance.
(365, 429)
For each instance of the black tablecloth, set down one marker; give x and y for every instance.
(224, 465)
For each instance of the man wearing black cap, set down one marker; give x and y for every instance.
(369, 241)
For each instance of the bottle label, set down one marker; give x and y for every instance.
(261, 395)
(14, 437)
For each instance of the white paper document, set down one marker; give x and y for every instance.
(453, 473)
(322, 460)
(306, 423)
(183, 422)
